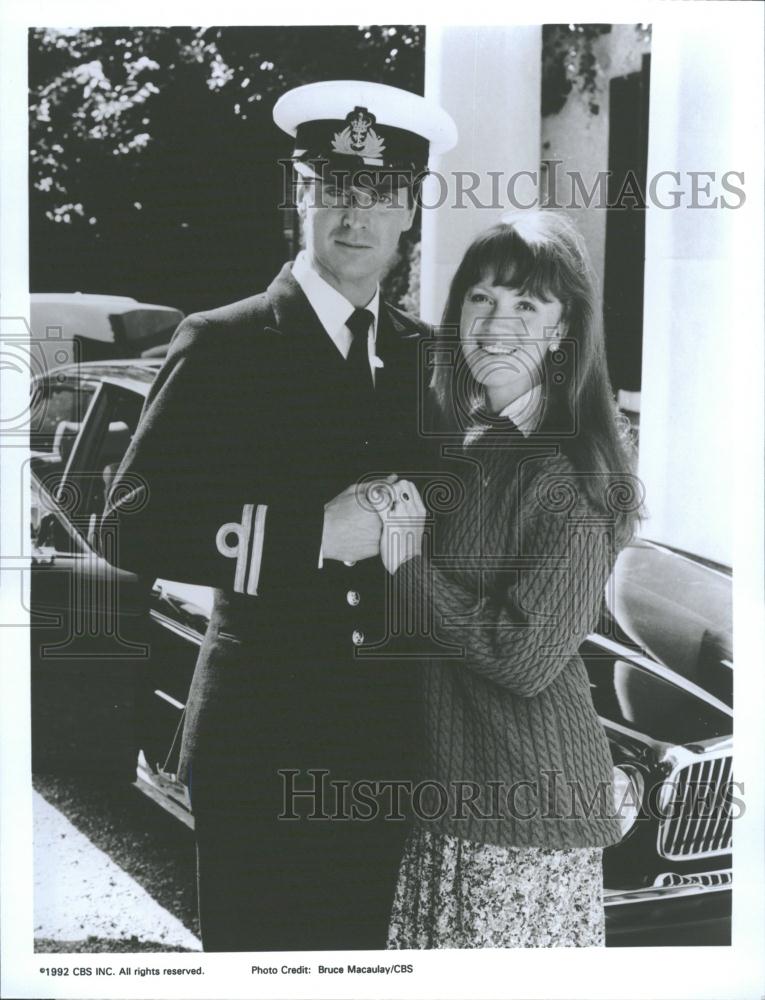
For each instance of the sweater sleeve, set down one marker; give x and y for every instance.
(523, 635)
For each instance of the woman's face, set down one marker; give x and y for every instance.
(504, 336)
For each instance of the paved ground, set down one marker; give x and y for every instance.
(112, 871)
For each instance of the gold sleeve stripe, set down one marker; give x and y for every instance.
(256, 557)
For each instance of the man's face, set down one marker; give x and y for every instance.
(351, 233)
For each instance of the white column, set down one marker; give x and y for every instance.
(689, 335)
(489, 80)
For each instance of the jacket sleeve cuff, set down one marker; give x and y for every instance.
(291, 544)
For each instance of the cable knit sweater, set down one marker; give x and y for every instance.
(513, 746)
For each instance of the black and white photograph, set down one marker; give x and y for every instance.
(382, 502)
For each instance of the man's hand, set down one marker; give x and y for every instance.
(403, 526)
(352, 526)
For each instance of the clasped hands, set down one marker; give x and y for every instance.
(384, 517)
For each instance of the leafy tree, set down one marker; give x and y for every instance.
(570, 63)
(153, 152)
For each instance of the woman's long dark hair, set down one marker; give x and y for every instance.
(541, 254)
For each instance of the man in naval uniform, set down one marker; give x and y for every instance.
(242, 476)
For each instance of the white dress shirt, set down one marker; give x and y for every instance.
(524, 411)
(333, 309)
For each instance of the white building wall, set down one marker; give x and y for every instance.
(689, 339)
(579, 139)
(489, 79)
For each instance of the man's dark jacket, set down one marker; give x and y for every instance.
(253, 424)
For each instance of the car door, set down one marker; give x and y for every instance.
(88, 619)
(179, 616)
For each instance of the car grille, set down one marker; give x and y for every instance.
(697, 808)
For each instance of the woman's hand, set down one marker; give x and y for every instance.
(403, 526)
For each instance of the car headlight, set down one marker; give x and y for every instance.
(628, 795)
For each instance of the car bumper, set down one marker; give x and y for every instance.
(676, 915)
(165, 789)
(691, 913)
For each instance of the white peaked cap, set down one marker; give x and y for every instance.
(393, 109)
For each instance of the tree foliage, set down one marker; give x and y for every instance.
(570, 64)
(155, 148)
(93, 92)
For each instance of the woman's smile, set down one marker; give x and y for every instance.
(504, 334)
(490, 347)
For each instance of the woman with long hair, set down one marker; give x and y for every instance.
(517, 800)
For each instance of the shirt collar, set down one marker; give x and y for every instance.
(332, 308)
(524, 410)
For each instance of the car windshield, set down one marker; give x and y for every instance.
(674, 608)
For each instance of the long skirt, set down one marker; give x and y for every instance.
(454, 893)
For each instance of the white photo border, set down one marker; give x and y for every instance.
(714, 973)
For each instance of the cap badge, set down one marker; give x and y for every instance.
(359, 138)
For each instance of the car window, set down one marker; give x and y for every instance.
(110, 432)
(117, 434)
(56, 402)
(675, 608)
(60, 406)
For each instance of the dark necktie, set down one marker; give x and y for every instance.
(358, 355)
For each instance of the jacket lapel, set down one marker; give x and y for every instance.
(295, 318)
(398, 347)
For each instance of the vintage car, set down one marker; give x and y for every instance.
(660, 668)
(89, 327)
